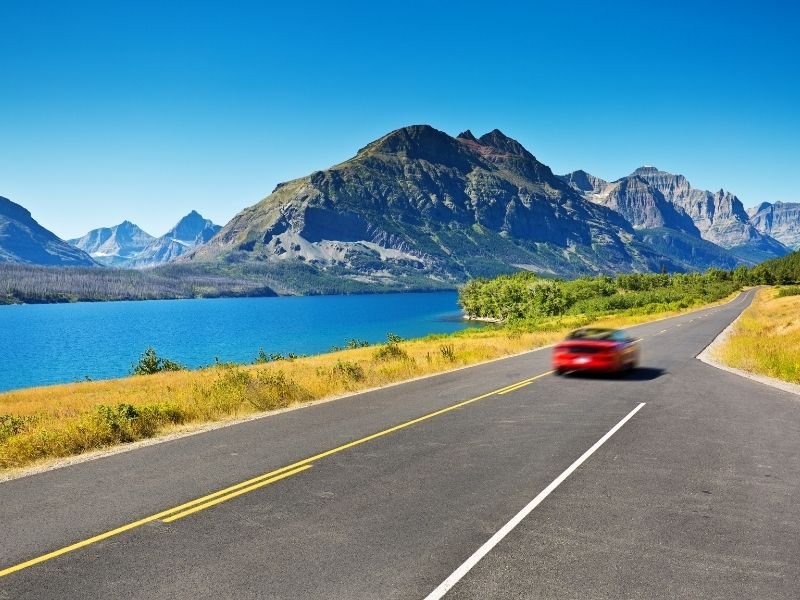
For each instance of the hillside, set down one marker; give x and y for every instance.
(23, 240)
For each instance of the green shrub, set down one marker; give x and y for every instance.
(149, 362)
(234, 390)
(12, 425)
(525, 297)
(348, 370)
(391, 350)
(353, 343)
(269, 390)
(118, 420)
(792, 290)
(448, 352)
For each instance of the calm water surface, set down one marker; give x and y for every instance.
(57, 343)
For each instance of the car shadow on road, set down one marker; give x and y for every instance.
(637, 374)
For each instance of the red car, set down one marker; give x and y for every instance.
(596, 350)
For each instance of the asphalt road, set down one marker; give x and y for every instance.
(695, 496)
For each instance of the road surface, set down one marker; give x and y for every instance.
(494, 481)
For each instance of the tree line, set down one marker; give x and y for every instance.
(37, 284)
(526, 296)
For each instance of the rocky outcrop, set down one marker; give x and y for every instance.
(780, 220)
(23, 240)
(586, 184)
(418, 202)
(645, 207)
(719, 216)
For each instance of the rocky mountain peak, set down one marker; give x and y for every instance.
(780, 220)
(584, 182)
(193, 228)
(646, 169)
(412, 138)
(674, 187)
(467, 135)
(764, 206)
(419, 142)
(499, 141)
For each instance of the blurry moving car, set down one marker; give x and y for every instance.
(597, 350)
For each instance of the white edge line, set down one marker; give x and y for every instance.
(707, 356)
(467, 565)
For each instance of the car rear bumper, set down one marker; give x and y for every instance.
(586, 363)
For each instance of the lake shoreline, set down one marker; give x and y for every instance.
(60, 343)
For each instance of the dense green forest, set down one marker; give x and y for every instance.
(525, 296)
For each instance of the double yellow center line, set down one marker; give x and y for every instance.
(198, 504)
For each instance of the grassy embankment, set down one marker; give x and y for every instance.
(766, 339)
(41, 424)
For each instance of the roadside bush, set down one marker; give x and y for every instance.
(235, 388)
(448, 352)
(391, 350)
(12, 425)
(792, 290)
(116, 422)
(348, 370)
(272, 389)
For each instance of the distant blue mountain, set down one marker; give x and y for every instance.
(23, 240)
(114, 246)
(127, 245)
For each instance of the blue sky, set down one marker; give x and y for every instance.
(115, 110)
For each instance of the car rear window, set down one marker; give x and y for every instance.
(592, 334)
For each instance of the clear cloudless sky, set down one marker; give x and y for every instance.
(145, 110)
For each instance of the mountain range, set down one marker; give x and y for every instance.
(664, 207)
(418, 201)
(128, 246)
(418, 208)
(114, 246)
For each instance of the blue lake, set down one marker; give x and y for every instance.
(57, 343)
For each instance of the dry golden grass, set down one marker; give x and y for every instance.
(766, 339)
(63, 420)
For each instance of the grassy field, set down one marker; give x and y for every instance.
(45, 423)
(766, 339)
